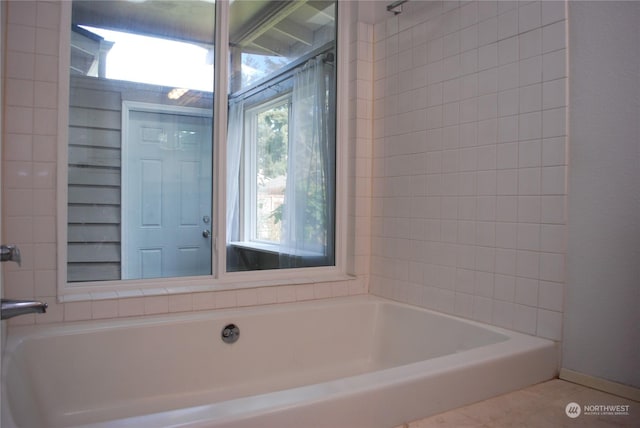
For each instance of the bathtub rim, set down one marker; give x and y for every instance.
(19, 333)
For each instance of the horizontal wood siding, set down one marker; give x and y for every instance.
(93, 216)
(95, 159)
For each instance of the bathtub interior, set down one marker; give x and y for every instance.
(99, 371)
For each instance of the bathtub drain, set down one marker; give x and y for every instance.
(230, 333)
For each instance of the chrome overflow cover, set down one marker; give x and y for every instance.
(230, 333)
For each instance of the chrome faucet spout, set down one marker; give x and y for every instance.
(13, 308)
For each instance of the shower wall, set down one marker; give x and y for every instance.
(470, 163)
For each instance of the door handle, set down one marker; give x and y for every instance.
(206, 233)
(10, 253)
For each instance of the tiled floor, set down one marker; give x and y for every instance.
(541, 405)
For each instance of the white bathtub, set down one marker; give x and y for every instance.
(348, 362)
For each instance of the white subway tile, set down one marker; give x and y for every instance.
(179, 303)
(19, 229)
(463, 305)
(551, 295)
(46, 68)
(529, 16)
(554, 180)
(486, 154)
(485, 234)
(18, 147)
(506, 234)
(554, 37)
(488, 107)
(101, 309)
(549, 324)
(508, 76)
(19, 284)
(530, 43)
(76, 311)
(487, 9)
(488, 81)
(435, 50)
(48, 15)
(45, 121)
(528, 236)
(530, 98)
(526, 291)
(554, 151)
(485, 259)
(529, 209)
(553, 209)
(508, 50)
(19, 120)
(508, 24)
(45, 282)
(468, 14)
(482, 309)
(507, 182)
(469, 62)
(469, 38)
(451, 44)
(504, 288)
(47, 41)
(530, 126)
(204, 301)
(22, 12)
(554, 122)
(468, 86)
(552, 267)
(554, 94)
(528, 264)
(21, 38)
(530, 70)
(525, 319)
(506, 261)
(44, 231)
(19, 93)
(553, 10)
(502, 314)
(554, 65)
(488, 31)
(20, 65)
(553, 238)
(529, 153)
(486, 182)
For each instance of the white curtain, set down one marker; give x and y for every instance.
(234, 153)
(308, 215)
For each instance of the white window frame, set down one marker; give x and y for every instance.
(220, 280)
(249, 191)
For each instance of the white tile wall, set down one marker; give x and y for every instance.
(469, 179)
(30, 139)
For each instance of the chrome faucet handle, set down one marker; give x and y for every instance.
(10, 253)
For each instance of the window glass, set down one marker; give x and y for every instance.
(272, 142)
(140, 147)
(281, 135)
(267, 36)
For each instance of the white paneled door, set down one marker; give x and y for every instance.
(166, 191)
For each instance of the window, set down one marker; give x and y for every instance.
(267, 147)
(143, 186)
(140, 140)
(281, 151)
